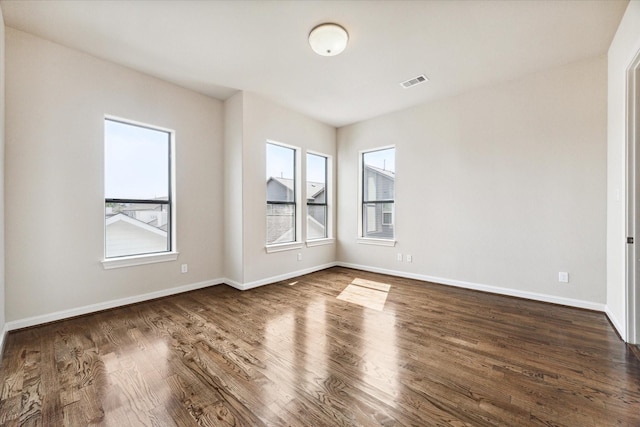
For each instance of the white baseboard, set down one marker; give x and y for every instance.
(65, 314)
(273, 279)
(234, 284)
(622, 331)
(480, 287)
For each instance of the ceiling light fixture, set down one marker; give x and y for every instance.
(328, 39)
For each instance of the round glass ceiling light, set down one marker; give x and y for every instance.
(328, 39)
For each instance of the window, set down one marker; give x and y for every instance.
(281, 194)
(378, 193)
(316, 197)
(138, 202)
(387, 214)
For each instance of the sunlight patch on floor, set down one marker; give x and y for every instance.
(371, 284)
(366, 293)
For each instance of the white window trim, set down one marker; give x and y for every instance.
(376, 242)
(297, 244)
(361, 238)
(128, 261)
(321, 242)
(329, 197)
(281, 247)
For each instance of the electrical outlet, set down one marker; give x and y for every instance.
(399, 258)
(184, 268)
(563, 277)
(299, 256)
(409, 258)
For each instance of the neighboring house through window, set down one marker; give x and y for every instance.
(281, 194)
(138, 202)
(378, 194)
(317, 211)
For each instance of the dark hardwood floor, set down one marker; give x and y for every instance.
(635, 349)
(293, 353)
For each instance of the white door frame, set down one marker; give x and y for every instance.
(632, 291)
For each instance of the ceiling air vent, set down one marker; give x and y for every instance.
(414, 81)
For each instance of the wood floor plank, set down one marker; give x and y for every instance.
(293, 354)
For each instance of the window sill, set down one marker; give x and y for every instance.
(131, 261)
(320, 242)
(283, 247)
(376, 242)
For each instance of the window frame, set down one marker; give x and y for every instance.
(362, 201)
(296, 243)
(171, 253)
(327, 193)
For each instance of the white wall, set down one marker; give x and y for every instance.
(263, 120)
(233, 188)
(2, 145)
(510, 182)
(498, 189)
(625, 46)
(56, 99)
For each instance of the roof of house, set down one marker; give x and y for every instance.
(388, 173)
(142, 225)
(313, 188)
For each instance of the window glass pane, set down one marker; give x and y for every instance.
(316, 194)
(370, 218)
(136, 162)
(378, 193)
(281, 187)
(378, 222)
(136, 228)
(137, 177)
(379, 174)
(280, 173)
(316, 221)
(281, 223)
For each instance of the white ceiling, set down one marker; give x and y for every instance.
(218, 47)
